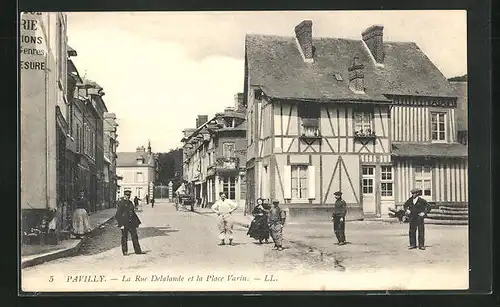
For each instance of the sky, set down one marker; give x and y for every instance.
(160, 70)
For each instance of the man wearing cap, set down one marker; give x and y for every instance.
(276, 220)
(416, 209)
(128, 221)
(338, 217)
(224, 208)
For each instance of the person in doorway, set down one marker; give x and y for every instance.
(416, 208)
(277, 219)
(80, 221)
(136, 202)
(224, 208)
(338, 218)
(259, 229)
(128, 221)
(152, 202)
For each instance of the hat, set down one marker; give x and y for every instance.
(275, 201)
(415, 191)
(127, 192)
(338, 193)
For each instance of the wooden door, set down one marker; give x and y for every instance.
(368, 189)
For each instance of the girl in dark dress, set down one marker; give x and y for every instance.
(259, 229)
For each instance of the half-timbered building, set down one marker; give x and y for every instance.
(214, 156)
(364, 117)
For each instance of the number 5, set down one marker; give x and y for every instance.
(51, 278)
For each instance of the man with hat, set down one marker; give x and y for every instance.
(416, 209)
(276, 220)
(338, 217)
(224, 208)
(128, 221)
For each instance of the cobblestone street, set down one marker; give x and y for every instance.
(185, 243)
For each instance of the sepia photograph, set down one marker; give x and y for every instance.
(243, 151)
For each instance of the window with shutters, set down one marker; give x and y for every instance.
(299, 183)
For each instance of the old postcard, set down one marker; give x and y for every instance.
(243, 151)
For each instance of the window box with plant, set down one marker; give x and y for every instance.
(309, 115)
(365, 134)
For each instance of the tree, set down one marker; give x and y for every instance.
(170, 164)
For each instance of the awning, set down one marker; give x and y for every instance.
(443, 150)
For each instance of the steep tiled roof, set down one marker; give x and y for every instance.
(276, 65)
(130, 159)
(462, 105)
(429, 150)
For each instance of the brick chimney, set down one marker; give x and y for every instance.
(201, 120)
(239, 102)
(303, 34)
(356, 76)
(374, 40)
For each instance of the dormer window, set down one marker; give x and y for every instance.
(338, 77)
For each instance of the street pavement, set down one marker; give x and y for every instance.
(183, 255)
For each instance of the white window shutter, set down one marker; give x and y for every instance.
(287, 181)
(311, 177)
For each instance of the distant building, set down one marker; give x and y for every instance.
(110, 146)
(214, 156)
(138, 171)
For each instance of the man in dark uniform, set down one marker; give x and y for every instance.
(338, 217)
(128, 221)
(416, 209)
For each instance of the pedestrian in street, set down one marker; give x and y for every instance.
(277, 219)
(128, 221)
(80, 221)
(152, 202)
(224, 208)
(147, 199)
(136, 202)
(259, 229)
(338, 218)
(416, 209)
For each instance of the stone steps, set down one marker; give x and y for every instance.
(446, 222)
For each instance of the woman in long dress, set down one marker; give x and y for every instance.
(81, 223)
(259, 229)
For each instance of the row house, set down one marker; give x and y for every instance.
(214, 156)
(110, 147)
(137, 171)
(368, 117)
(44, 115)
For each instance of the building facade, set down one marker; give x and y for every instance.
(44, 115)
(370, 118)
(214, 156)
(110, 147)
(460, 84)
(138, 172)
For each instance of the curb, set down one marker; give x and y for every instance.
(62, 253)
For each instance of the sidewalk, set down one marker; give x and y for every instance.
(37, 254)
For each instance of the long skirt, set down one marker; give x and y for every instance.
(81, 223)
(258, 228)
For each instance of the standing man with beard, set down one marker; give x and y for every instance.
(416, 209)
(128, 221)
